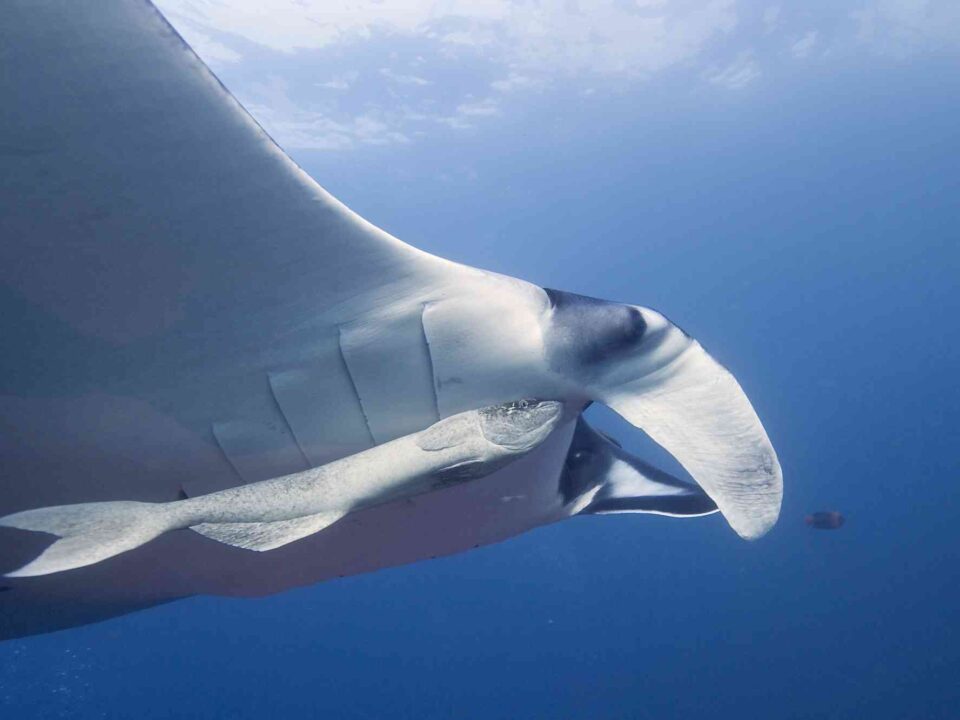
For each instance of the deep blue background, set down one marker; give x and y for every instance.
(809, 236)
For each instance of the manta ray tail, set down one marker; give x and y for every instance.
(88, 532)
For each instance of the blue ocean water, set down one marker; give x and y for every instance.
(809, 236)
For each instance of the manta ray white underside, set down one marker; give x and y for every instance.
(184, 310)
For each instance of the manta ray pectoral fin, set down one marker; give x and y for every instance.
(262, 536)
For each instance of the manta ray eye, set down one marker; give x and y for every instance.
(579, 458)
(586, 332)
(613, 330)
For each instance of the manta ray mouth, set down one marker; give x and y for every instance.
(693, 407)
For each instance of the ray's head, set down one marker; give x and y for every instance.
(607, 345)
(661, 380)
(522, 425)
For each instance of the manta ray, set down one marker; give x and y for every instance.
(185, 311)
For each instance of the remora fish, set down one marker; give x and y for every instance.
(269, 514)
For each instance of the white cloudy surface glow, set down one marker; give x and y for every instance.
(334, 75)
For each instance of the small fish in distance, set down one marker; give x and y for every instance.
(825, 520)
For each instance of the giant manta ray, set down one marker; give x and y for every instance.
(184, 310)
